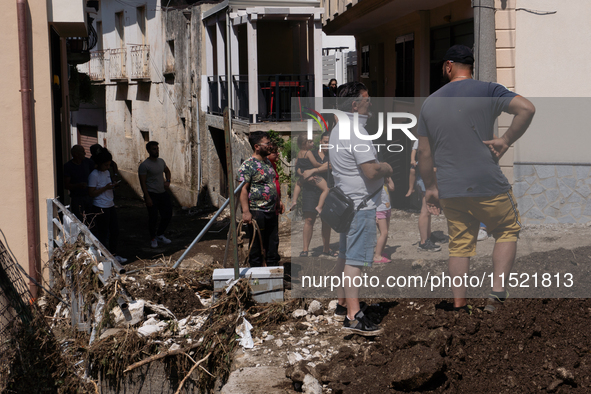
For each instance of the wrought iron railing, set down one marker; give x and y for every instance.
(240, 96)
(223, 92)
(214, 89)
(274, 95)
(278, 90)
(96, 66)
(118, 63)
(140, 61)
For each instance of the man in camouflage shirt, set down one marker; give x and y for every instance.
(258, 199)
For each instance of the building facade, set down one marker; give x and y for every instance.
(46, 31)
(535, 48)
(163, 70)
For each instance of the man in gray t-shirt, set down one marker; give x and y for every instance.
(151, 173)
(455, 128)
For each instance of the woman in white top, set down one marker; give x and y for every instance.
(100, 188)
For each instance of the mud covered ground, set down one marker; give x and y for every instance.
(532, 345)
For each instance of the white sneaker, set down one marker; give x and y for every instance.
(482, 234)
(154, 243)
(120, 259)
(163, 239)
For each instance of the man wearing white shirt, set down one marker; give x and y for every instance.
(358, 174)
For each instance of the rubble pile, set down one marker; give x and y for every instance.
(107, 330)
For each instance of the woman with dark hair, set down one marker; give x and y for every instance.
(332, 87)
(100, 188)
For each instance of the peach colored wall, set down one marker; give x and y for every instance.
(552, 59)
(12, 192)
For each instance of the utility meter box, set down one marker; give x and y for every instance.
(266, 282)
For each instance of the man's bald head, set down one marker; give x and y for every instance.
(78, 152)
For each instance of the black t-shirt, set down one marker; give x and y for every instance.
(327, 175)
(78, 173)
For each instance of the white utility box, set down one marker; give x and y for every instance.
(266, 282)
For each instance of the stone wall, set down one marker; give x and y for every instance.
(553, 193)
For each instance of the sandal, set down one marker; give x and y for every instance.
(304, 254)
(465, 308)
(330, 253)
(382, 260)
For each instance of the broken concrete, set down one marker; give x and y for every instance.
(257, 380)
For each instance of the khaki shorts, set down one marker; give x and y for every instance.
(464, 214)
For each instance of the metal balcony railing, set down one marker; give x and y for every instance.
(96, 66)
(140, 61)
(278, 90)
(117, 63)
(274, 95)
(240, 96)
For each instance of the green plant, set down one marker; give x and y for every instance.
(284, 149)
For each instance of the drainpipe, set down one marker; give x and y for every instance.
(32, 235)
(484, 41)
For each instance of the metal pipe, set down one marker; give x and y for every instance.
(484, 41)
(199, 179)
(122, 303)
(30, 198)
(207, 226)
(228, 140)
(124, 306)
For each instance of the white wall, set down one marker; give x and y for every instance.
(338, 41)
(157, 113)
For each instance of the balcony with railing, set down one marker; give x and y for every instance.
(96, 66)
(140, 61)
(118, 64)
(274, 95)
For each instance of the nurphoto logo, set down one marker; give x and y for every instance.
(345, 129)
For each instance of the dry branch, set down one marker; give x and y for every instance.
(191, 371)
(159, 356)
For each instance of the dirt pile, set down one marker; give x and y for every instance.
(528, 346)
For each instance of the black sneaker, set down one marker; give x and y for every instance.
(439, 237)
(496, 300)
(341, 312)
(362, 326)
(428, 246)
